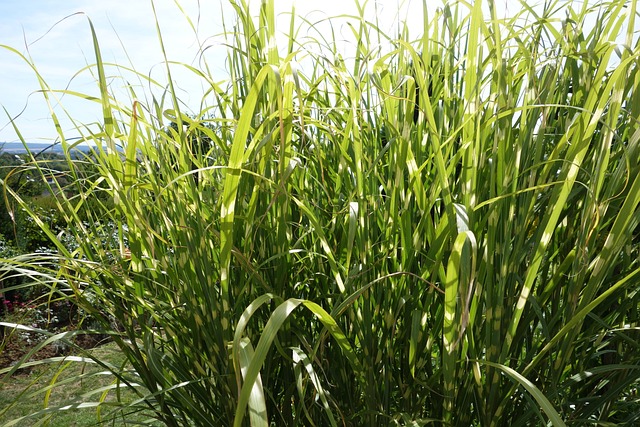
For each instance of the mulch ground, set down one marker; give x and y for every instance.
(14, 348)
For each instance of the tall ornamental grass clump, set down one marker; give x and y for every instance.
(441, 230)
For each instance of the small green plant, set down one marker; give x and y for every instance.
(433, 231)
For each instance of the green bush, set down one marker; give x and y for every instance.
(442, 231)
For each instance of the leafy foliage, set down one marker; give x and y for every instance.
(358, 250)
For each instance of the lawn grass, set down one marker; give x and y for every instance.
(30, 385)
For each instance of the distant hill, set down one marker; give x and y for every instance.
(35, 147)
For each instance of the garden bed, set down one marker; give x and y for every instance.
(16, 344)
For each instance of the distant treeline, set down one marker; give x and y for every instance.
(18, 147)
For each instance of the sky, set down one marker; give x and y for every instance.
(55, 35)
